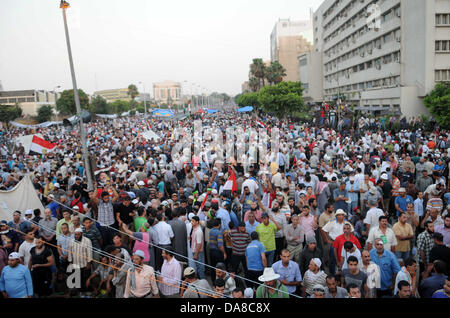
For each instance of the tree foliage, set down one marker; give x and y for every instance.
(118, 106)
(132, 92)
(248, 99)
(44, 113)
(9, 113)
(258, 71)
(253, 84)
(99, 105)
(282, 99)
(438, 102)
(66, 103)
(275, 73)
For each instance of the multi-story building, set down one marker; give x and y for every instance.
(383, 55)
(167, 92)
(288, 40)
(29, 100)
(112, 95)
(310, 70)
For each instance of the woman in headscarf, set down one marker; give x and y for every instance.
(313, 276)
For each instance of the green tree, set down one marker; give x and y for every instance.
(438, 102)
(258, 70)
(9, 113)
(253, 83)
(66, 103)
(132, 92)
(249, 99)
(99, 105)
(282, 99)
(119, 106)
(275, 73)
(44, 113)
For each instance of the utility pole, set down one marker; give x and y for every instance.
(64, 5)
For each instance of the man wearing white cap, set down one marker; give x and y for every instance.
(141, 280)
(272, 287)
(334, 228)
(15, 281)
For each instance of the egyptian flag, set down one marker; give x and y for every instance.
(260, 124)
(41, 146)
(231, 184)
(295, 161)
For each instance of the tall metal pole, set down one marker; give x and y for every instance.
(77, 104)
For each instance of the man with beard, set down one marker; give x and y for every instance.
(80, 255)
(15, 281)
(425, 243)
(444, 229)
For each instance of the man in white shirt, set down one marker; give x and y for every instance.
(26, 246)
(348, 250)
(384, 233)
(250, 183)
(373, 215)
(165, 236)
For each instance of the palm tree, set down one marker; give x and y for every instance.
(258, 70)
(132, 92)
(253, 83)
(275, 73)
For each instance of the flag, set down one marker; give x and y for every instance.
(231, 183)
(64, 4)
(260, 124)
(203, 203)
(41, 146)
(295, 161)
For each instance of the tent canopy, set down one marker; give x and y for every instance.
(163, 113)
(245, 109)
(212, 111)
(22, 197)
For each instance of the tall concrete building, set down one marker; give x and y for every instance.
(288, 40)
(167, 91)
(310, 70)
(384, 55)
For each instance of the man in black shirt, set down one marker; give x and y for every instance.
(125, 212)
(439, 252)
(82, 189)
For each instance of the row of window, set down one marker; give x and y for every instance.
(362, 14)
(393, 57)
(17, 100)
(442, 75)
(366, 48)
(382, 82)
(442, 19)
(442, 46)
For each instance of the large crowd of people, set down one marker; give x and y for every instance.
(356, 212)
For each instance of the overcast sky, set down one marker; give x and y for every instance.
(118, 42)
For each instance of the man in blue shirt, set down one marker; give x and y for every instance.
(15, 281)
(435, 282)
(251, 224)
(389, 267)
(224, 217)
(402, 200)
(217, 252)
(256, 259)
(53, 205)
(445, 292)
(289, 272)
(340, 196)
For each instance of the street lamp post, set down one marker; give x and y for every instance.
(145, 104)
(64, 5)
(56, 98)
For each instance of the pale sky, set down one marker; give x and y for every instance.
(118, 42)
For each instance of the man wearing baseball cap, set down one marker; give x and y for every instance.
(15, 281)
(194, 287)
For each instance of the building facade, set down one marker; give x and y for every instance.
(310, 70)
(111, 95)
(383, 56)
(288, 40)
(167, 92)
(29, 100)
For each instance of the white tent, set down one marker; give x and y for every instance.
(22, 197)
(26, 141)
(150, 135)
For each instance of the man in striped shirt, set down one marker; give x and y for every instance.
(240, 240)
(80, 255)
